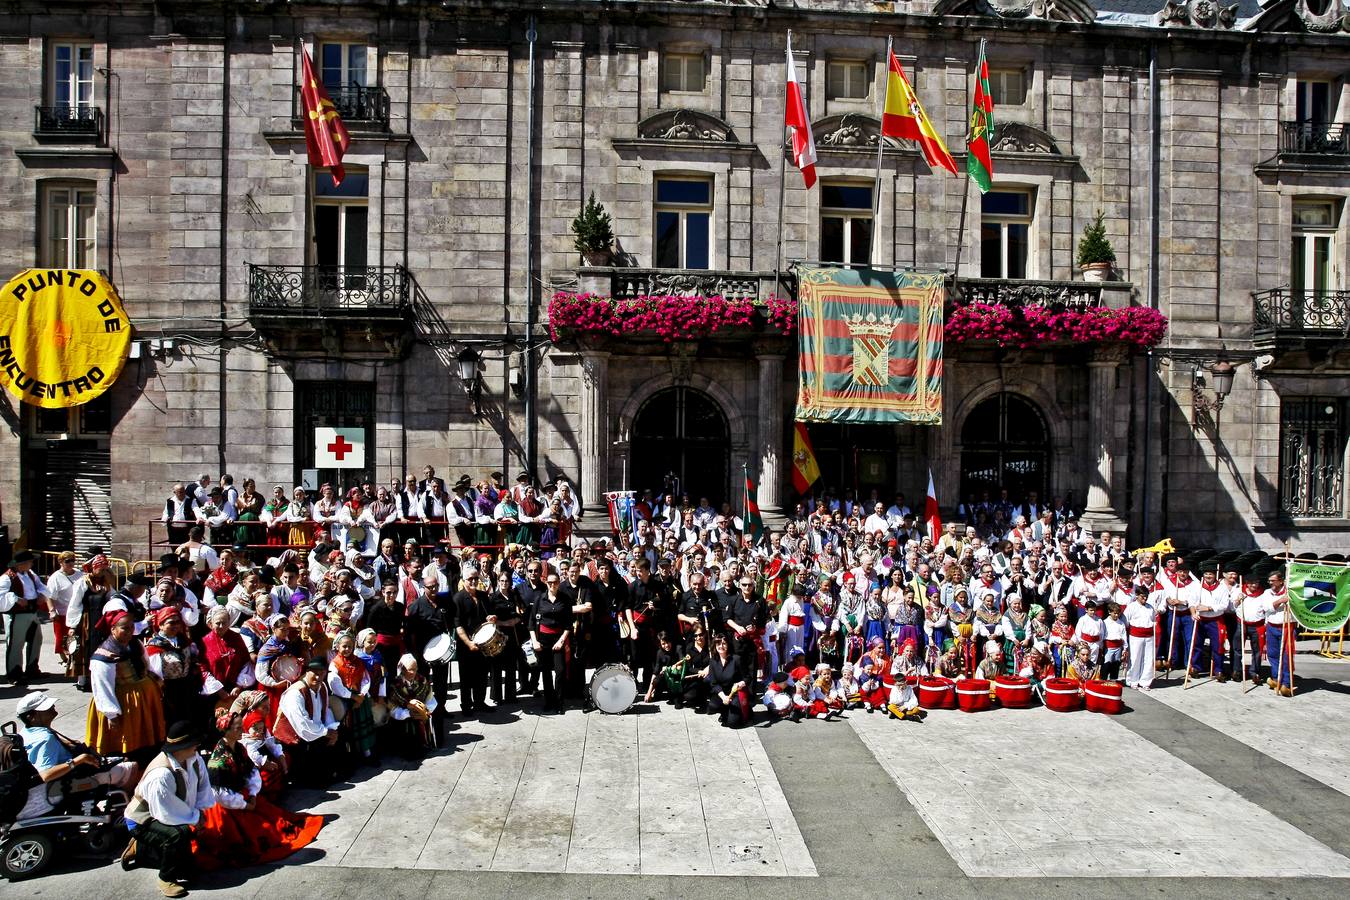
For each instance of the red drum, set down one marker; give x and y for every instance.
(1062, 694)
(1013, 691)
(911, 680)
(1104, 697)
(972, 695)
(937, 693)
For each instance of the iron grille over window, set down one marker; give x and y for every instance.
(1312, 456)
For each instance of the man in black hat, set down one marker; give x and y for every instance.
(21, 598)
(168, 801)
(307, 727)
(460, 511)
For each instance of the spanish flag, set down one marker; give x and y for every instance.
(805, 471)
(903, 117)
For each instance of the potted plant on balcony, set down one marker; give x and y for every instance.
(1096, 258)
(594, 236)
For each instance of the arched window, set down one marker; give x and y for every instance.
(1004, 444)
(680, 444)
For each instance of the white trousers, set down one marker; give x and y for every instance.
(1141, 662)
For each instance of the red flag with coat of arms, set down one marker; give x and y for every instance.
(326, 138)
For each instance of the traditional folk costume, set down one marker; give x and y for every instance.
(902, 702)
(411, 705)
(1212, 636)
(1090, 631)
(847, 686)
(1141, 624)
(1183, 597)
(1252, 614)
(1279, 640)
(778, 697)
(126, 715)
(230, 835)
(835, 699)
(873, 672)
(174, 661)
(1014, 628)
(349, 681)
(1038, 664)
(303, 723)
(265, 751)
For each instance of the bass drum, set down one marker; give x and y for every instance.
(613, 688)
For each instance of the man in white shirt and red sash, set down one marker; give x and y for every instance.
(1183, 598)
(1141, 622)
(1209, 620)
(1251, 613)
(1279, 639)
(305, 724)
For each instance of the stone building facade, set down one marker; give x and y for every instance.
(162, 144)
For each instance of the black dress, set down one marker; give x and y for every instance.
(722, 676)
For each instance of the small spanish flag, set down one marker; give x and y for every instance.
(903, 117)
(805, 471)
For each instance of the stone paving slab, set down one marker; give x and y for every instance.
(663, 792)
(1303, 732)
(1026, 792)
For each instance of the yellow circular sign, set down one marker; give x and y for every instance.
(63, 336)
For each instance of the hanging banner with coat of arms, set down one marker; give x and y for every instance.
(871, 346)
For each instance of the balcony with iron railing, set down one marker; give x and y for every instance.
(1284, 314)
(361, 108)
(82, 123)
(623, 283)
(353, 292)
(1318, 139)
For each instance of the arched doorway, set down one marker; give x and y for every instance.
(680, 437)
(1004, 444)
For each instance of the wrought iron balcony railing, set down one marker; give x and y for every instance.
(359, 107)
(68, 122)
(1008, 292)
(1314, 138)
(624, 283)
(1302, 312)
(352, 292)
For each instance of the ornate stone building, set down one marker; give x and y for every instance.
(162, 143)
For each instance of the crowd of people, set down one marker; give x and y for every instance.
(296, 660)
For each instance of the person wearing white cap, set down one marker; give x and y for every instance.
(56, 756)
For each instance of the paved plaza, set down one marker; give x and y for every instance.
(1212, 791)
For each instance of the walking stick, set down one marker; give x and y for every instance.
(1290, 626)
(1186, 682)
(1171, 641)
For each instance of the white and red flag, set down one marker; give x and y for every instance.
(803, 142)
(930, 511)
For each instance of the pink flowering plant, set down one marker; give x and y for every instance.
(669, 317)
(675, 318)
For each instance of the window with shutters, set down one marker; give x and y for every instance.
(683, 73)
(847, 79)
(69, 225)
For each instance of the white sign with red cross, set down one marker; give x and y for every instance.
(340, 448)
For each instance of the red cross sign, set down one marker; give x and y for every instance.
(340, 448)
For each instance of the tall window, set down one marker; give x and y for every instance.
(1311, 266)
(847, 79)
(72, 76)
(846, 223)
(340, 226)
(683, 223)
(1313, 103)
(342, 65)
(1312, 456)
(683, 73)
(1008, 87)
(69, 235)
(1005, 233)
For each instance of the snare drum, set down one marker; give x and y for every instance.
(490, 639)
(613, 688)
(440, 649)
(287, 668)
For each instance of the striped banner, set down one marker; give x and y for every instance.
(871, 346)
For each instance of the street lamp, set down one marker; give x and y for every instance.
(468, 360)
(1220, 383)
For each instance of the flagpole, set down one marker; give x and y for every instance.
(782, 178)
(881, 144)
(965, 196)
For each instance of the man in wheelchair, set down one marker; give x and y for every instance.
(70, 772)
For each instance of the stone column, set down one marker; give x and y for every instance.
(772, 454)
(1101, 512)
(594, 438)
